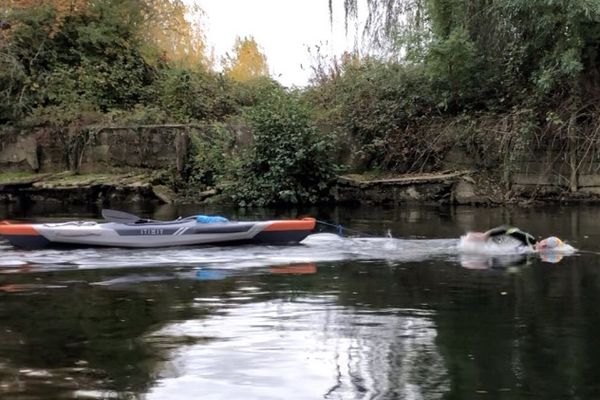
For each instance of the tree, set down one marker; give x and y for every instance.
(477, 51)
(391, 27)
(168, 33)
(62, 7)
(174, 37)
(247, 62)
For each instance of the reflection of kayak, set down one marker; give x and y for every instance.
(140, 233)
(295, 269)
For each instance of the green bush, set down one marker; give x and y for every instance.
(189, 95)
(209, 161)
(371, 107)
(289, 162)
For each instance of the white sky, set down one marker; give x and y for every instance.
(284, 30)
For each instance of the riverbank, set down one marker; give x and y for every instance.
(71, 188)
(159, 164)
(462, 187)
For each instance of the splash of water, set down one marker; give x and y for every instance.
(321, 247)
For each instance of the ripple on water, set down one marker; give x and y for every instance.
(316, 248)
(313, 349)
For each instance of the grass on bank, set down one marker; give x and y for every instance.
(62, 179)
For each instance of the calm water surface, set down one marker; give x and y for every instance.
(400, 317)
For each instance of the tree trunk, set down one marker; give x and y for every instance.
(573, 161)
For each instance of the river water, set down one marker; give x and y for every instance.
(398, 315)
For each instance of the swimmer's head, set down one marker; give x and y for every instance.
(549, 243)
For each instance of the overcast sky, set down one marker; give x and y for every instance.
(284, 29)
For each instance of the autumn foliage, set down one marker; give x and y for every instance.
(68, 67)
(175, 38)
(247, 61)
(62, 7)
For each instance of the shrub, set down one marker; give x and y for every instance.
(288, 161)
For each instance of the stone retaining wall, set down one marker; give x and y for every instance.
(551, 170)
(542, 172)
(545, 171)
(103, 149)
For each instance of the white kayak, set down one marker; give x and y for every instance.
(127, 230)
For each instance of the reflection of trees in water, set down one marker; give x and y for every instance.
(54, 341)
(388, 355)
(531, 334)
(407, 331)
(340, 354)
(531, 331)
(559, 329)
(379, 344)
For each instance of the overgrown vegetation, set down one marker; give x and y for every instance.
(106, 63)
(289, 161)
(497, 77)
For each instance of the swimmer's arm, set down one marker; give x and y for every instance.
(497, 231)
(523, 237)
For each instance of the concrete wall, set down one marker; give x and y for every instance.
(18, 152)
(550, 170)
(543, 171)
(107, 149)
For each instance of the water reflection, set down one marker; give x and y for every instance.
(348, 331)
(338, 318)
(481, 261)
(310, 346)
(294, 269)
(201, 273)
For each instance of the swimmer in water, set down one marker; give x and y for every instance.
(499, 234)
(480, 250)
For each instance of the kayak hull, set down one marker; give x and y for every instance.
(186, 232)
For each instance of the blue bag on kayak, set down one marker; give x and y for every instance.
(210, 219)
